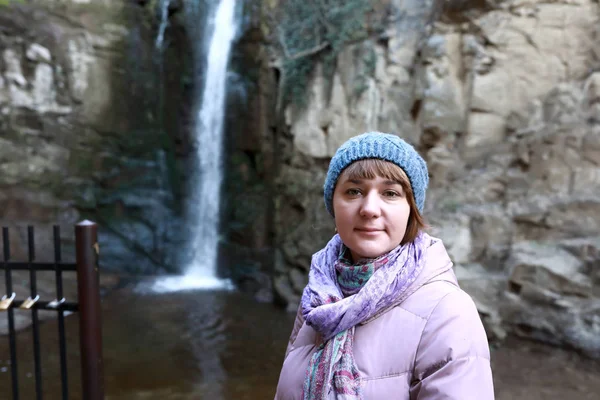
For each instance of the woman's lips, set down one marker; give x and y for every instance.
(368, 231)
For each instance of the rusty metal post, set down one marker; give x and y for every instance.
(90, 325)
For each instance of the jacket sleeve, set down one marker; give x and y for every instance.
(453, 357)
(298, 322)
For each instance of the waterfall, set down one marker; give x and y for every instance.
(164, 21)
(205, 201)
(209, 134)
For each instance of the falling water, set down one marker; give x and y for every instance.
(202, 270)
(164, 21)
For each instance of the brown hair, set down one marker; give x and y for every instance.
(371, 168)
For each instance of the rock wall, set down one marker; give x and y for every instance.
(502, 98)
(246, 253)
(81, 133)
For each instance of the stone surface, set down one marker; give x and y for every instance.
(79, 132)
(502, 98)
(503, 101)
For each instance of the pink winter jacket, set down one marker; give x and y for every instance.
(431, 346)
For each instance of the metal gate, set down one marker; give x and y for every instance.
(87, 305)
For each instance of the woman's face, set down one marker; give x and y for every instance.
(371, 215)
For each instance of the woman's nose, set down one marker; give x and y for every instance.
(370, 207)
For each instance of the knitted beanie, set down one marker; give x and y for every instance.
(383, 146)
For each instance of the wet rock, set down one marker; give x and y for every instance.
(77, 138)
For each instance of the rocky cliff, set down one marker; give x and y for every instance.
(502, 98)
(81, 134)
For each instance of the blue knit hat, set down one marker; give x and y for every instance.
(382, 146)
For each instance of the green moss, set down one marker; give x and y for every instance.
(5, 3)
(304, 27)
(369, 60)
(113, 13)
(451, 206)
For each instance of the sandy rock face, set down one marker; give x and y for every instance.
(75, 123)
(503, 102)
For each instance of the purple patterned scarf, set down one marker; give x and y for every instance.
(334, 314)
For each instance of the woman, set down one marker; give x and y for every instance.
(382, 316)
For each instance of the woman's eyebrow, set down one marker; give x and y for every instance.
(392, 182)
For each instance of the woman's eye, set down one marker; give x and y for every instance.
(391, 193)
(353, 192)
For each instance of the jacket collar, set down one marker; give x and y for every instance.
(437, 262)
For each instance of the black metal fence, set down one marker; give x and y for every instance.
(87, 305)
